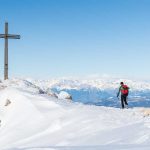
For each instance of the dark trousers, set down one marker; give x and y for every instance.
(123, 100)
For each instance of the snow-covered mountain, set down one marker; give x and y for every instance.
(33, 118)
(100, 91)
(100, 83)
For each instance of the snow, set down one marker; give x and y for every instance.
(64, 95)
(34, 121)
(100, 83)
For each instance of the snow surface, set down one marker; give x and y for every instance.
(64, 95)
(35, 121)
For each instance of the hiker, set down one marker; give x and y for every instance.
(124, 89)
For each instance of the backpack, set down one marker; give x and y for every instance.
(124, 90)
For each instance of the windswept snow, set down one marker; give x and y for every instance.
(64, 95)
(35, 121)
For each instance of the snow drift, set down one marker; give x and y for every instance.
(33, 121)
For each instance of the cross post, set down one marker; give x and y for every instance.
(7, 36)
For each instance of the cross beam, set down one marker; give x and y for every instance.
(7, 36)
(10, 36)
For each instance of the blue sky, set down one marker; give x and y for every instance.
(77, 37)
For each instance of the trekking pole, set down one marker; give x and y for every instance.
(119, 103)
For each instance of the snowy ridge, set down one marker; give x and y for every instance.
(100, 83)
(34, 121)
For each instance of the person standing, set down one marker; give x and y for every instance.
(124, 90)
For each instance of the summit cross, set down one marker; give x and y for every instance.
(7, 36)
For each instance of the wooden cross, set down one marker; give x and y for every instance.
(7, 36)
